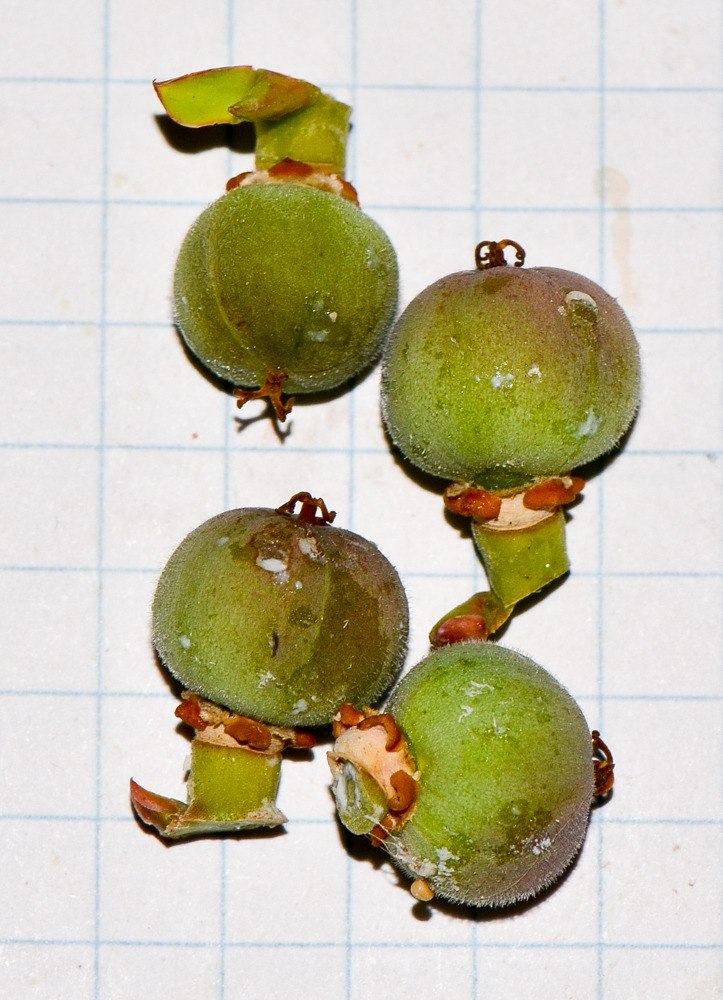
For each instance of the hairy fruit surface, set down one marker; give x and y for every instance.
(280, 619)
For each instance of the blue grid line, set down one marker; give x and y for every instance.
(393, 206)
(406, 945)
(423, 87)
(105, 139)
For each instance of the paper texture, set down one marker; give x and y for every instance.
(587, 130)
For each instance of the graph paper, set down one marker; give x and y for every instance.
(590, 131)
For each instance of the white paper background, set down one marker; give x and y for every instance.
(588, 130)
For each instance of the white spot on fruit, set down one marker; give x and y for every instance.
(298, 585)
(299, 707)
(589, 425)
(317, 335)
(223, 541)
(271, 565)
(333, 317)
(184, 641)
(502, 381)
(534, 372)
(572, 298)
(309, 547)
(465, 710)
(264, 678)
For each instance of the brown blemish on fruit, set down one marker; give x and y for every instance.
(275, 378)
(603, 764)
(471, 501)
(495, 254)
(309, 507)
(463, 628)
(394, 736)
(553, 492)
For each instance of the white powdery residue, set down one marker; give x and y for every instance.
(317, 335)
(184, 641)
(299, 707)
(475, 688)
(534, 372)
(498, 730)
(466, 710)
(271, 565)
(308, 546)
(589, 425)
(264, 678)
(444, 855)
(541, 845)
(502, 381)
(223, 541)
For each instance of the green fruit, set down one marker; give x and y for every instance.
(504, 766)
(285, 276)
(502, 375)
(280, 619)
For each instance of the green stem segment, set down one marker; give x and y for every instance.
(519, 563)
(233, 775)
(293, 119)
(228, 789)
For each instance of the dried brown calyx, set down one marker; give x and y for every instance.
(292, 172)
(216, 725)
(309, 507)
(513, 510)
(494, 254)
(374, 776)
(603, 765)
(271, 388)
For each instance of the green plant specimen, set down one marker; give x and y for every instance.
(282, 284)
(477, 778)
(270, 620)
(504, 379)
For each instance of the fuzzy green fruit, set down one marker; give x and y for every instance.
(288, 277)
(501, 375)
(280, 619)
(505, 774)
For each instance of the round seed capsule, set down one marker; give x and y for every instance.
(503, 761)
(285, 277)
(505, 374)
(279, 617)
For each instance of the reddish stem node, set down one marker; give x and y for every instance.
(463, 628)
(471, 501)
(552, 493)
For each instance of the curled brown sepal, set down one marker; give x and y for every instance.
(216, 723)
(155, 810)
(309, 507)
(553, 492)
(478, 618)
(471, 501)
(275, 378)
(494, 255)
(603, 765)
